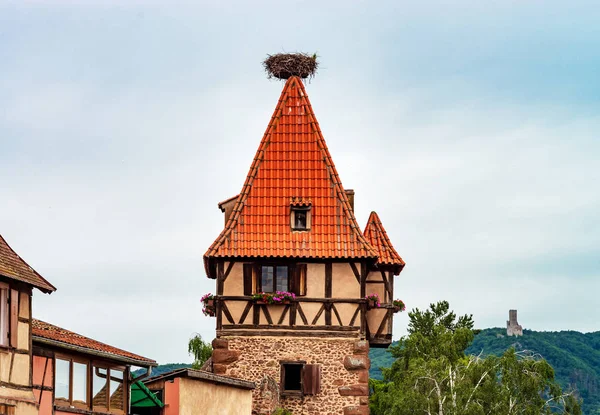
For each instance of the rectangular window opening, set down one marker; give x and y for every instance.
(274, 278)
(300, 218)
(80, 384)
(99, 389)
(291, 378)
(62, 380)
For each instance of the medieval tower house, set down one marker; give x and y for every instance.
(292, 230)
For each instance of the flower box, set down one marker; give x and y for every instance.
(372, 301)
(208, 301)
(398, 306)
(276, 298)
(273, 303)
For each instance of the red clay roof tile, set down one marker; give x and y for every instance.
(49, 331)
(378, 238)
(13, 267)
(292, 162)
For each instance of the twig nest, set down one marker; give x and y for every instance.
(286, 65)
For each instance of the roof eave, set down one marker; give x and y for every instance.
(203, 375)
(92, 352)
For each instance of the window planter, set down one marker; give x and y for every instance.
(372, 301)
(276, 298)
(209, 309)
(398, 306)
(273, 303)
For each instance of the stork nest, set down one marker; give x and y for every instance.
(286, 65)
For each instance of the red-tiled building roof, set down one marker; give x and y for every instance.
(50, 334)
(378, 238)
(13, 267)
(292, 163)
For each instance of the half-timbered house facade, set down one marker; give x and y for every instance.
(17, 281)
(47, 370)
(293, 269)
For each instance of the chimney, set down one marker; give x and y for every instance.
(226, 206)
(350, 194)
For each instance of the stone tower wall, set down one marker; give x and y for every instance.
(512, 325)
(344, 371)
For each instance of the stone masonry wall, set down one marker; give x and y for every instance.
(344, 372)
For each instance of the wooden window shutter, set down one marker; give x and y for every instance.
(14, 317)
(248, 279)
(311, 379)
(293, 280)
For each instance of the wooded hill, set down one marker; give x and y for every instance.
(574, 356)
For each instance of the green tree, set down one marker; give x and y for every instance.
(433, 375)
(201, 351)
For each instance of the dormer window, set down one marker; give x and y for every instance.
(300, 214)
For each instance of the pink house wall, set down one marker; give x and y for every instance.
(43, 375)
(171, 397)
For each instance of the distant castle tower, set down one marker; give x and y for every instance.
(512, 325)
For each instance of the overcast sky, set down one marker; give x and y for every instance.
(471, 128)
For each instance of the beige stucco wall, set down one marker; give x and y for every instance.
(198, 397)
(344, 283)
(22, 407)
(21, 369)
(378, 289)
(5, 361)
(315, 280)
(23, 336)
(23, 400)
(346, 311)
(234, 284)
(374, 318)
(24, 305)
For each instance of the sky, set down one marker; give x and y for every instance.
(470, 127)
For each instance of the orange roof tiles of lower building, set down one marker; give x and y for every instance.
(53, 335)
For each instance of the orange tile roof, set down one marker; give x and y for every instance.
(292, 161)
(13, 267)
(48, 333)
(378, 238)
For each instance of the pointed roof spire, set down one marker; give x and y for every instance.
(13, 267)
(378, 238)
(292, 163)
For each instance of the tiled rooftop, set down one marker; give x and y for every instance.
(378, 238)
(42, 330)
(292, 167)
(13, 267)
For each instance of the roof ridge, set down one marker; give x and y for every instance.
(43, 285)
(378, 237)
(299, 130)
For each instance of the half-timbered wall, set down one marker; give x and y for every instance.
(333, 301)
(16, 394)
(43, 383)
(45, 372)
(379, 321)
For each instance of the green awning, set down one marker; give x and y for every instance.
(142, 397)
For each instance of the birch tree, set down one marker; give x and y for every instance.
(432, 375)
